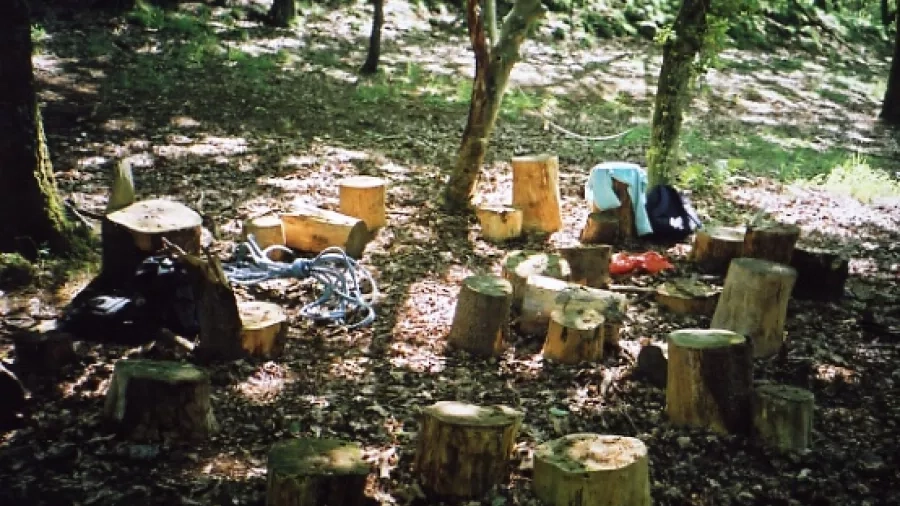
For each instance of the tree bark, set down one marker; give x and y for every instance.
(890, 109)
(283, 13)
(371, 64)
(672, 95)
(28, 192)
(493, 65)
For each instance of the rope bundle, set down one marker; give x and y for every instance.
(338, 274)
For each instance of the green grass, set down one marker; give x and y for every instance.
(857, 178)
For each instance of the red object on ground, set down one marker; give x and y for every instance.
(651, 262)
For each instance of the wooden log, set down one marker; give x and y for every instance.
(153, 400)
(715, 247)
(592, 470)
(543, 294)
(754, 303)
(710, 380)
(589, 264)
(783, 416)
(308, 228)
(44, 350)
(536, 192)
(652, 365)
(623, 215)
(519, 265)
(499, 223)
(687, 296)
(772, 242)
(267, 230)
(574, 335)
(364, 197)
(481, 321)
(821, 273)
(136, 231)
(600, 228)
(264, 328)
(316, 472)
(463, 449)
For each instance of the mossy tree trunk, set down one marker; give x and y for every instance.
(493, 65)
(673, 94)
(33, 215)
(371, 64)
(283, 13)
(890, 109)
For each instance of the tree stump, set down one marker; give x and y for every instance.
(592, 470)
(136, 232)
(267, 231)
(773, 242)
(499, 223)
(463, 449)
(481, 321)
(364, 197)
(754, 303)
(574, 335)
(589, 264)
(715, 247)
(543, 295)
(783, 416)
(821, 273)
(151, 400)
(264, 328)
(623, 215)
(316, 472)
(519, 265)
(43, 351)
(536, 192)
(652, 365)
(687, 296)
(710, 380)
(308, 228)
(600, 228)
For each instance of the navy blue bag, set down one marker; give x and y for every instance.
(671, 215)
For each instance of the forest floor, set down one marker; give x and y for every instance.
(219, 112)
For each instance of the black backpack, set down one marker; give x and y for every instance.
(671, 215)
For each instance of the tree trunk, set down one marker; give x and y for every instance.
(371, 64)
(283, 13)
(890, 109)
(28, 192)
(673, 94)
(493, 65)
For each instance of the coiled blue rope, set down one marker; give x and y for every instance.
(339, 275)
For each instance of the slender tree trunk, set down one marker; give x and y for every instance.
(31, 214)
(493, 65)
(371, 64)
(673, 90)
(283, 13)
(890, 109)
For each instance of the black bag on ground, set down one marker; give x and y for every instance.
(671, 215)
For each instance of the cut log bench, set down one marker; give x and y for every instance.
(44, 350)
(316, 472)
(264, 328)
(542, 295)
(687, 296)
(783, 416)
(267, 230)
(589, 264)
(592, 470)
(715, 247)
(519, 265)
(153, 400)
(481, 319)
(499, 223)
(754, 303)
(463, 449)
(710, 380)
(774, 242)
(535, 190)
(364, 197)
(311, 229)
(574, 335)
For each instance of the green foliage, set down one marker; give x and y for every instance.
(708, 179)
(15, 270)
(855, 177)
